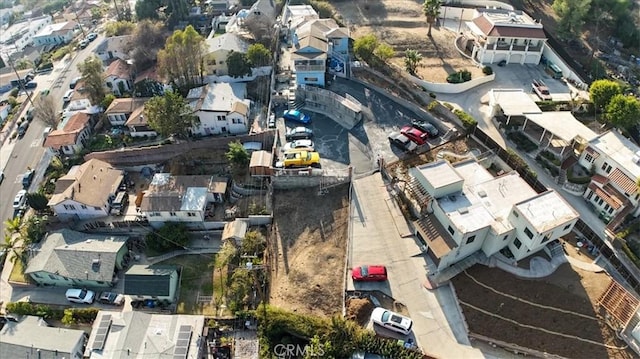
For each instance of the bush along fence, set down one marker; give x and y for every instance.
(621, 265)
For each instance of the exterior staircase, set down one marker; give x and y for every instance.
(562, 177)
(619, 218)
(446, 274)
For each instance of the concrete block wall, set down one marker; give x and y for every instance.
(346, 112)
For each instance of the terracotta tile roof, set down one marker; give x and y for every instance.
(69, 134)
(501, 30)
(90, 183)
(608, 199)
(600, 179)
(119, 69)
(137, 117)
(151, 74)
(590, 150)
(627, 184)
(125, 105)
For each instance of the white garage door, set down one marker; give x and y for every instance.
(515, 59)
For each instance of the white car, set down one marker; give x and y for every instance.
(392, 321)
(20, 199)
(82, 296)
(306, 145)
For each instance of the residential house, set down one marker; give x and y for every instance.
(67, 258)
(615, 162)
(118, 77)
(149, 83)
(221, 108)
(137, 334)
(317, 45)
(114, 47)
(5, 15)
(155, 282)
(20, 35)
(218, 6)
(471, 211)
(219, 48)
(138, 125)
(496, 35)
(72, 137)
(86, 191)
(187, 199)
(32, 337)
(56, 34)
(120, 109)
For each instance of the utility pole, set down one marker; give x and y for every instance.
(21, 81)
(84, 35)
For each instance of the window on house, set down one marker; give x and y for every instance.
(604, 166)
(471, 239)
(590, 195)
(606, 207)
(172, 214)
(588, 158)
(609, 169)
(610, 210)
(517, 243)
(37, 275)
(83, 206)
(451, 230)
(222, 118)
(528, 232)
(566, 227)
(311, 79)
(505, 237)
(515, 214)
(237, 121)
(51, 276)
(191, 214)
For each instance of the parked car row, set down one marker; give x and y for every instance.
(413, 135)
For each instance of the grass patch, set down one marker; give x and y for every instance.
(17, 273)
(104, 142)
(197, 279)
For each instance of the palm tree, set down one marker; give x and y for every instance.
(431, 10)
(14, 251)
(411, 60)
(12, 225)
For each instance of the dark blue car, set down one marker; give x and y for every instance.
(297, 116)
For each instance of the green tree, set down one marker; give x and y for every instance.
(411, 60)
(14, 249)
(571, 14)
(253, 243)
(239, 289)
(33, 230)
(170, 114)
(258, 55)
(238, 64)
(173, 235)
(601, 92)
(119, 28)
(24, 64)
(384, 52)
(107, 100)
(47, 111)
(92, 75)
(182, 58)
(38, 201)
(364, 47)
(237, 154)
(431, 10)
(12, 225)
(228, 254)
(623, 111)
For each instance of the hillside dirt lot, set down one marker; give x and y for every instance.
(488, 300)
(401, 24)
(307, 249)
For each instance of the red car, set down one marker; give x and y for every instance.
(372, 273)
(416, 135)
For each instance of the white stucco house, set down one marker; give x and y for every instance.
(114, 47)
(219, 48)
(221, 107)
(72, 137)
(86, 191)
(20, 35)
(117, 77)
(120, 109)
(56, 34)
(187, 199)
(472, 211)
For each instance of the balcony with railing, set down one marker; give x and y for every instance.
(310, 66)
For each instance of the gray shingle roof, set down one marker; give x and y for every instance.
(31, 334)
(154, 280)
(71, 254)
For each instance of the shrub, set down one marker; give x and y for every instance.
(432, 95)
(459, 77)
(467, 121)
(14, 92)
(487, 70)
(432, 106)
(448, 105)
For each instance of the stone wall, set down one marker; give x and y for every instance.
(345, 111)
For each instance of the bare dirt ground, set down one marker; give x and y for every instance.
(401, 24)
(307, 250)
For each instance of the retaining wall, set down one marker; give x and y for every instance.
(345, 111)
(451, 88)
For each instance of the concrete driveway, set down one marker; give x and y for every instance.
(378, 226)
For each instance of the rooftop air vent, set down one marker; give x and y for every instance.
(96, 261)
(482, 194)
(463, 210)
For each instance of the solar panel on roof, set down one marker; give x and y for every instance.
(182, 344)
(101, 332)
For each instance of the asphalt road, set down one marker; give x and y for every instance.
(19, 154)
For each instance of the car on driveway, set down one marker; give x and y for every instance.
(299, 159)
(369, 273)
(306, 145)
(297, 116)
(44, 92)
(20, 199)
(272, 121)
(416, 135)
(82, 296)
(392, 321)
(402, 142)
(92, 36)
(84, 43)
(27, 178)
(31, 85)
(111, 298)
(22, 129)
(541, 89)
(299, 133)
(425, 126)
